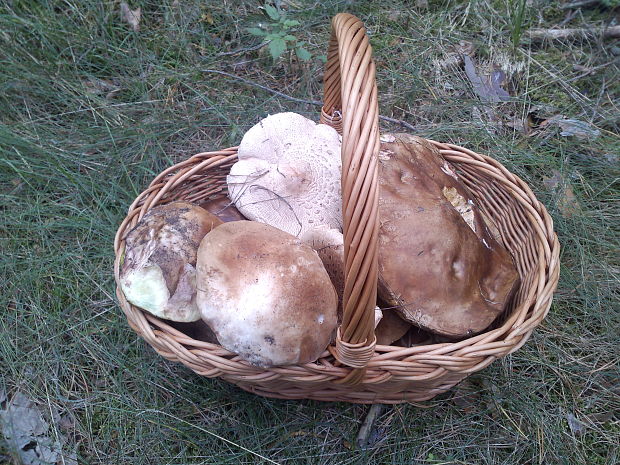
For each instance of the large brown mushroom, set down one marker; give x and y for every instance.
(438, 265)
(158, 273)
(265, 294)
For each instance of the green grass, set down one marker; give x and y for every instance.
(73, 157)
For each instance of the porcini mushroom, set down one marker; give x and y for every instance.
(265, 294)
(288, 174)
(438, 265)
(329, 245)
(223, 208)
(158, 273)
(391, 327)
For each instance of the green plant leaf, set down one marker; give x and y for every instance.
(290, 38)
(272, 12)
(255, 31)
(277, 46)
(303, 54)
(291, 22)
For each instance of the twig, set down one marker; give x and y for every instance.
(578, 4)
(588, 71)
(242, 50)
(298, 100)
(373, 413)
(612, 32)
(398, 121)
(260, 86)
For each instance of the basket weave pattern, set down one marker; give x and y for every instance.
(355, 369)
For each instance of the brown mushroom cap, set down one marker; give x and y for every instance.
(265, 294)
(158, 273)
(443, 271)
(391, 327)
(224, 209)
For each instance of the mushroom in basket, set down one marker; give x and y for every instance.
(288, 174)
(265, 294)
(158, 273)
(438, 264)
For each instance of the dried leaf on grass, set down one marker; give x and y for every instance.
(579, 129)
(28, 435)
(102, 87)
(131, 17)
(571, 127)
(567, 202)
(488, 88)
(576, 426)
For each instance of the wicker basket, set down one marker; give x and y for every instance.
(355, 369)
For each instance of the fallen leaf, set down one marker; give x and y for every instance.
(27, 434)
(131, 17)
(207, 18)
(575, 425)
(567, 201)
(488, 88)
(102, 87)
(577, 128)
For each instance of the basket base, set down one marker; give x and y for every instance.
(394, 392)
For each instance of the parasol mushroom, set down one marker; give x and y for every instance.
(288, 174)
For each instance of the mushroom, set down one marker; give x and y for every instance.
(391, 327)
(288, 174)
(329, 245)
(265, 294)
(223, 208)
(438, 265)
(197, 330)
(158, 273)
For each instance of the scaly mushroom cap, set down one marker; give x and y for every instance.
(265, 294)
(158, 273)
(438, 264)
(224, 209)
(288, 174)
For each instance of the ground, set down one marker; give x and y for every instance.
(93, 106)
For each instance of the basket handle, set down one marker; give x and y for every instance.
(350, 106)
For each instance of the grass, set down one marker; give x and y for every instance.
(90, 111)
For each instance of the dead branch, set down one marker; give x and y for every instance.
(612, 32)
(579, 4)
(369, 422)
